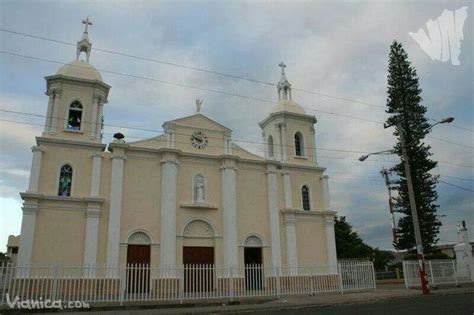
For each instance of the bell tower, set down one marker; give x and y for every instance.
(77, 95)
(288, 132)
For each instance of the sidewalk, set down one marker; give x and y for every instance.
(384, 292)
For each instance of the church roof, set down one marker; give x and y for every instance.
(288, 106)
(80, 69)
(196, 121)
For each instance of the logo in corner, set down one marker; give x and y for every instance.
(445, 34)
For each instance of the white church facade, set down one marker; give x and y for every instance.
(188, 196)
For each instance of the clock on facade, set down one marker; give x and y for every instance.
(199, 140)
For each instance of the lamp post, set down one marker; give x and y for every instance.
(414, 213)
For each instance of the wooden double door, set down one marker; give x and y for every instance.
(198, 268)
(138, 268)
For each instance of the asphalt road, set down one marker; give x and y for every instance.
(453, 304)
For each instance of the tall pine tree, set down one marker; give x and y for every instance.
(404, 105)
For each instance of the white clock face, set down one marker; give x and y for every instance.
(199, 140)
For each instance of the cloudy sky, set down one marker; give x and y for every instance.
(331, 48)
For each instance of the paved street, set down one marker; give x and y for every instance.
(455, 304)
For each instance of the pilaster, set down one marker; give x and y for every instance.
(96, 174)
(330, 243)
(113, 239)
(35, 169)
(56, 122)
(25, 249)
(169, 175)
(325, 192)
(229, 205)
(92, 235)
(49, 112)
(291, 249)
(287, 187)
(274, 215)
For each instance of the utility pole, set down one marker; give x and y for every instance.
(414, 214)
(384, 173)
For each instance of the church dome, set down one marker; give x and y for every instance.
(288, 106)
(81, 70)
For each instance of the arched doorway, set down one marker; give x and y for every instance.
(198, 256)
(138, 263)
(253, 260)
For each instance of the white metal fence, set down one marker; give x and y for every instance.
(439, 272)
(189, 282)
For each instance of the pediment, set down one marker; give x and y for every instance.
(198, 121)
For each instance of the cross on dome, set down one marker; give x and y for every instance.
(283, 87)
(282, 66)
(87, 22)
(84, 45)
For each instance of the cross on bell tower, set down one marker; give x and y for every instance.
(84, 45)
(87, 22)
(283, 87)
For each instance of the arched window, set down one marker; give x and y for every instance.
(305, 198)
(65, 181)
(75, 116)
(299, 150)
(270, 147)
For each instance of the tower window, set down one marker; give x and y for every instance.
(299, 150)
(270, 147)
(65, 181)
(305, 198)
(75, 116)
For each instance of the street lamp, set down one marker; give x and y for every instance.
(414, 213)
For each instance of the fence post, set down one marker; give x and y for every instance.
(181, 284)
(277, 277)
(454, 272)
(431, 273)
(55, 282)
(397, 273)
(231, 282)
(339, 271)
(373, 275)
(122, 279)
(405, 273)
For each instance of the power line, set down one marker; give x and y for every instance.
(460, 187)
(161, 131)
(189, 86)
(256, 149)
(210, 72)
(190, 68)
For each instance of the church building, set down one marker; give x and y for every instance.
(187, 196)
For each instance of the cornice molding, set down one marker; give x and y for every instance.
(70, 143)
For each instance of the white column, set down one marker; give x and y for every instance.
(229, 203)
(96, 173)
(115, 212)
(331, 243)
(284, 144)
(325, 192)
(35, 169)
(169, 174)
(99, 119)
(25, 248)
(274, 216)
(94, 116)
(279, 154)
(291, 250)
(92, 235)
(49, 113)
(265, 145)
(313, 133)
(287, 186)
(56, 121)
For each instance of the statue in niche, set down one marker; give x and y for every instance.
(199, 189)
